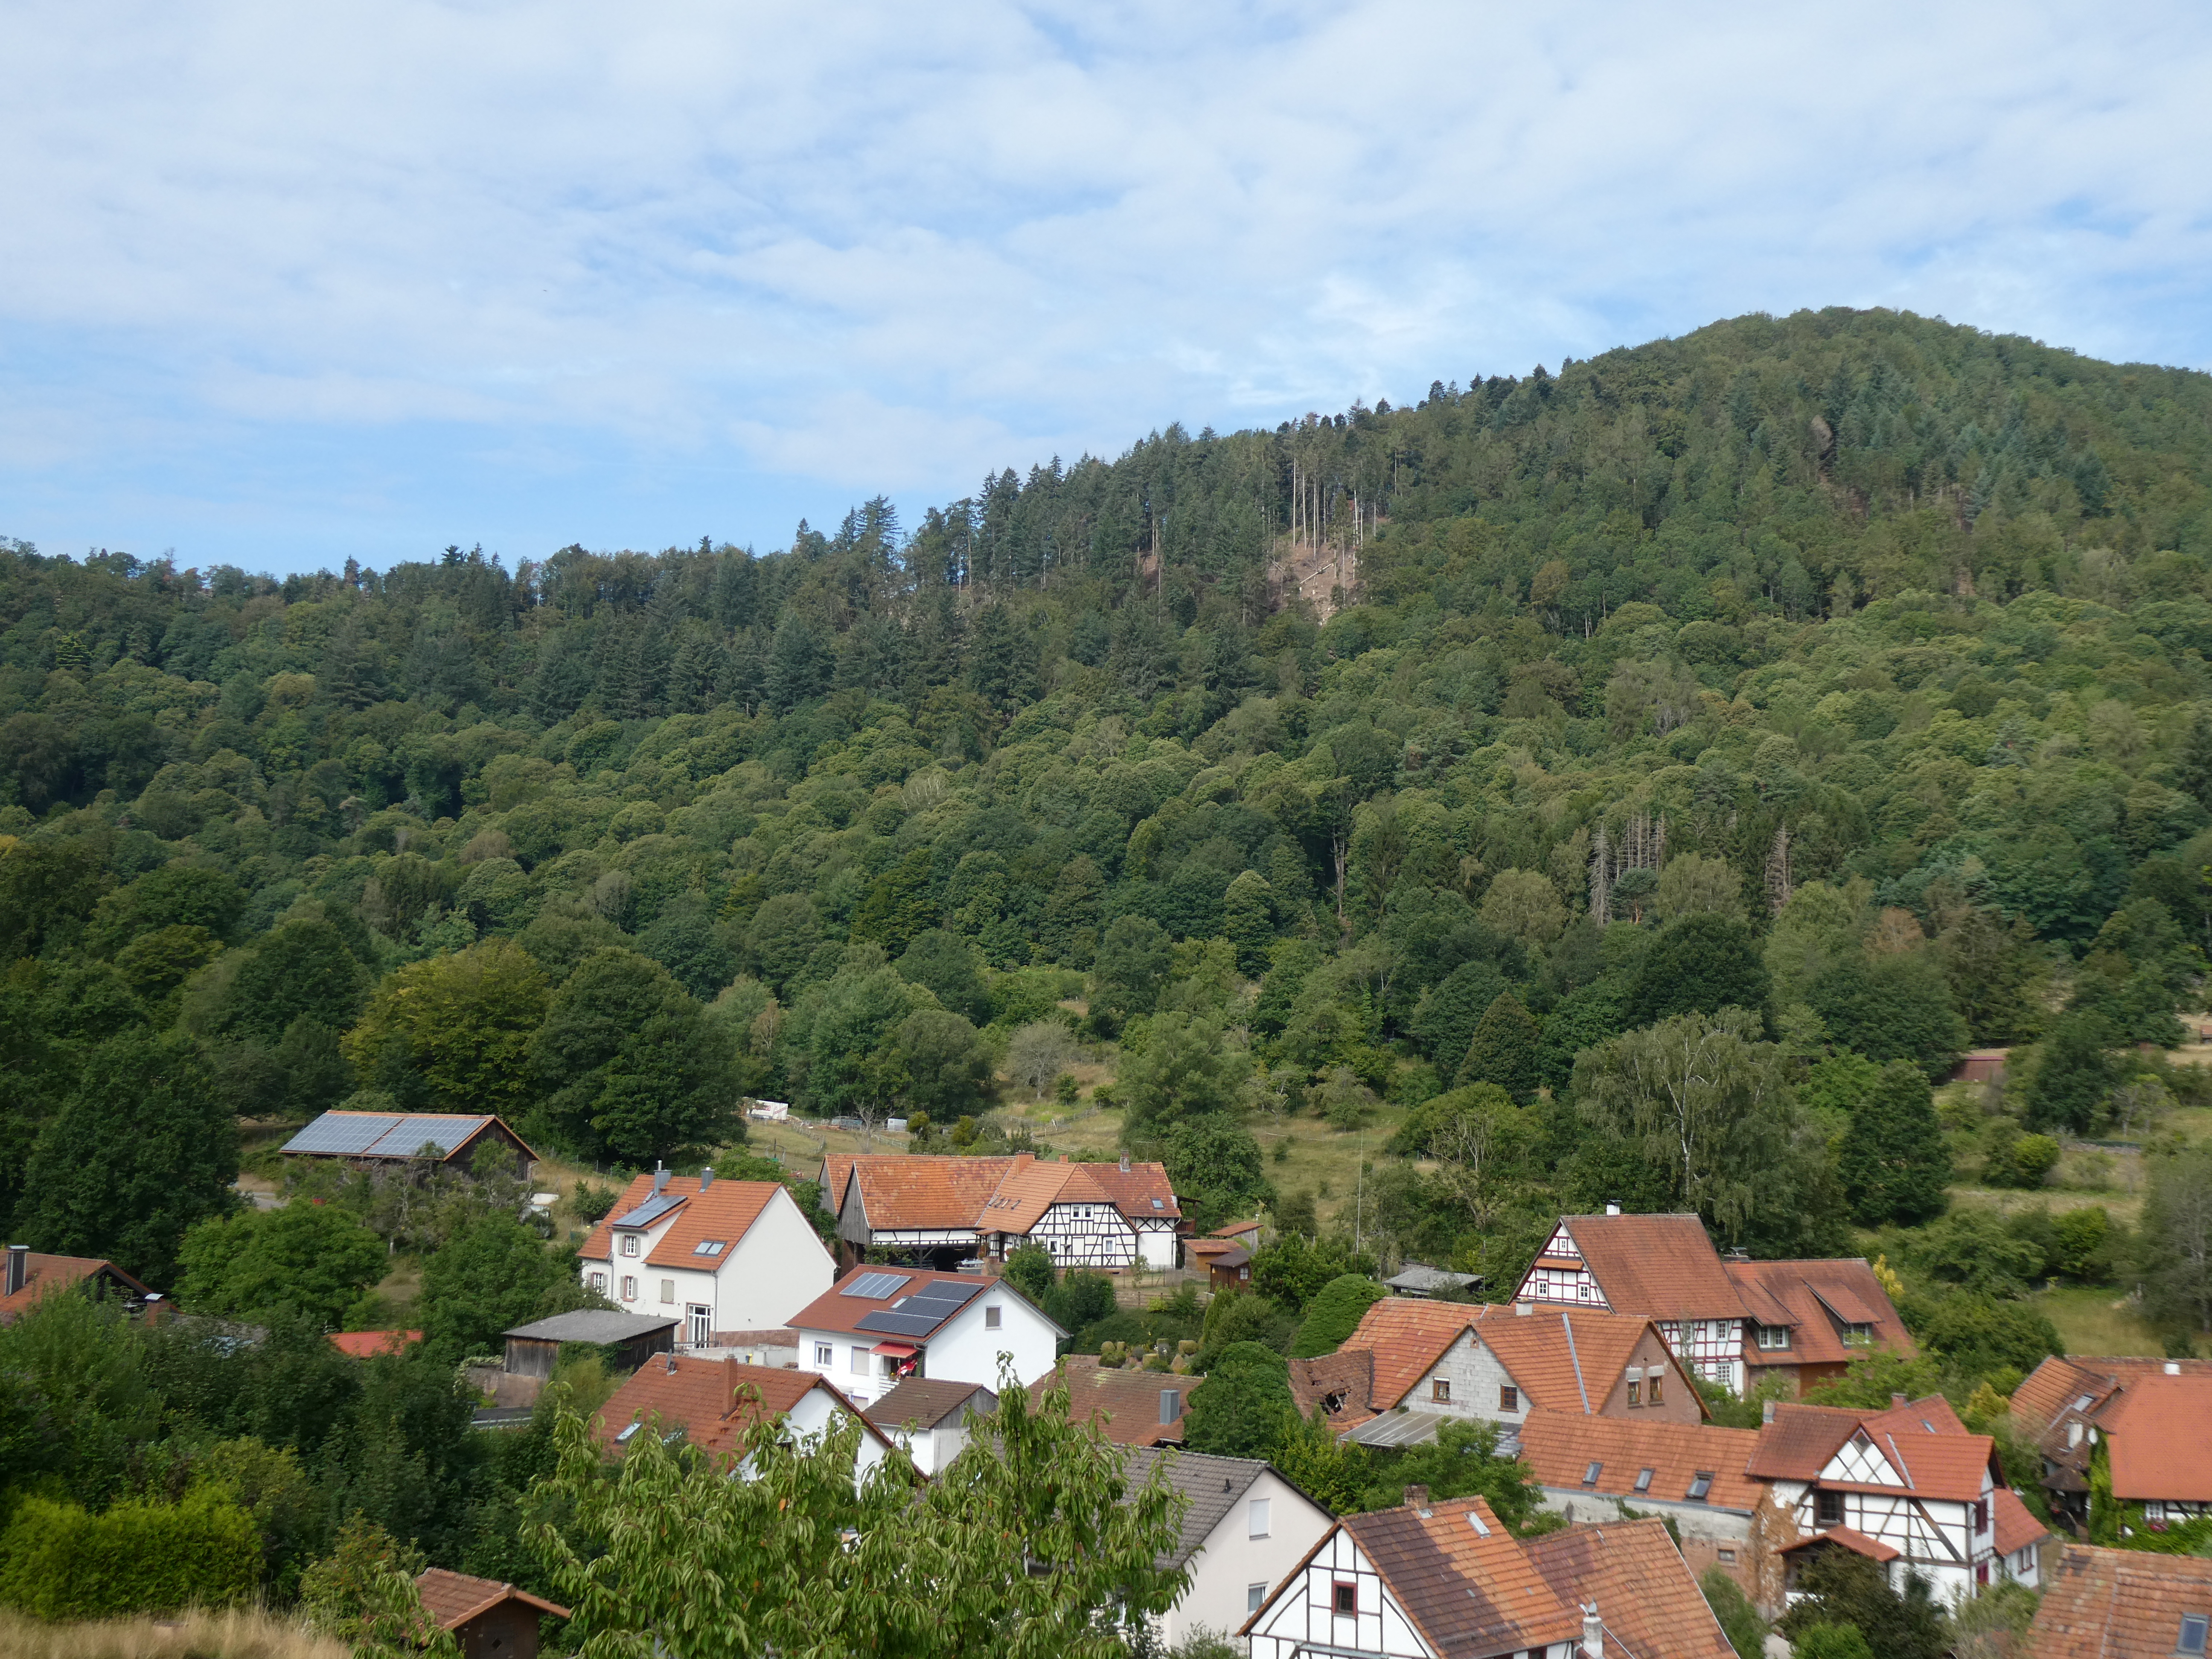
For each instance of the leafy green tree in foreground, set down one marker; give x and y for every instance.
(140, 1150)
(315, 1258)
(1335, 1314)
(1029, 1544)
(1851, 1592)
(1244, 1408)
(1463, 1462)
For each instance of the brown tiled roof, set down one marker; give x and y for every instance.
(1810, 1297)
(1636, 1578)
(1125, 1404)
(927, 1194)
(1348, 1372)
(2158, 1432)
(1407, 1336)
(1560, 1354)
(1559, 1447)
(725, 1210)
(835, 1167)
(1661, 1266)
(454, 1598)
(1850, 1538)
(1236, 1230)
(1467, 1587)
(706, 1398)
(362, 1344)
(1923, 1441)
(2057, 1383)
(2118, 1604)
(1800, 1441)
(835, 1311)
(929, 1402)
(43, 1274)
(1026, 1194)
(2015, 1523)
(1133, 1190)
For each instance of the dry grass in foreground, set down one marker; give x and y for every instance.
(246, 1634)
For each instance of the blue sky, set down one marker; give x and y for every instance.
(282, 285)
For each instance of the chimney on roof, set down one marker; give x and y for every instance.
(1611, 1208)
(706, 1176)
(1417, 1499)
(1897, 1399)
(1171, 1406)
(2173, 1368)
(1593, 1634)
(19, 1267)
(671, 1365)
(660, 1176)
(1125, 1163)
(1522, 1309)
(1766, 1412)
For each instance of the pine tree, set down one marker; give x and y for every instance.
(1894, 1164)
(1504, 1050)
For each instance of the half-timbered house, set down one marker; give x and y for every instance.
(1806, 1321)
(1908, 1488)
(2148, 1415)
(1661, 1266)
(944, 1210)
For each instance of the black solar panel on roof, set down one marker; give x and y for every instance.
(649, 1211)
(900, 1324)
(876, 1286)
(343, 1132)
(409, 1134)
(943, 1293)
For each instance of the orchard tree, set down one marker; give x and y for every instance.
(314, 1258)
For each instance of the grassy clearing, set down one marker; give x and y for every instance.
(2121, 1207)
(246, 1634)
(2091, 1320)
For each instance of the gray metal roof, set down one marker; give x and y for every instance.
(386, 1135)
(1215, 1485)
(592, 1325)
(1394, 1429)
(1419, 1278)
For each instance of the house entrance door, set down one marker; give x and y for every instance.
(699, 1331)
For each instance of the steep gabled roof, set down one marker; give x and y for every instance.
(1467, 1585)
(1923, 1441)
(1660, 1265)
(924, 1302)
(2056, 1384)
(1568, 1358)
(711, 1400)
(1812, 1297)
(44, 1274)
(1026, 1194)
(1346, 1376)
(452, 1599)
(926, 1193)
(2014, 1524)
(935, 1193)
(726, 1212)
(1123, 1404)
(1407, 1336)
(1142, 1192)
(1214, 1487)
(1636, 1578)
(2158, 1432)
(928, 1402)
(2118, 1604)
(1559, 1449)
(1798, 1443)
(1850, 1538)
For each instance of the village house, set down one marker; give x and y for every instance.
(1599, 1468)
(720, 1256)
(929, 1419)
(1228, 1267)
(879, 1326)
(367, 1139)
(2146, 1416)
(1447, 1578)
(2123, 1604)
(488, 1619)
(1908, 1488)
(31, 1274)
(947, 1210)
(1806, 1321)
(1429, 1362)
(1245, 1529)
(715, 1403)
(1129, 1405)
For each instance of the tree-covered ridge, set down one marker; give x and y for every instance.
(1898, 621)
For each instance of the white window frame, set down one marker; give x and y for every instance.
(825, 1354)
(630, 1287)
(1254, 1596)
(1256, 1516)
(629, 1243)
(599, 1284)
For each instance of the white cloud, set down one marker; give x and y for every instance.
(649, 262)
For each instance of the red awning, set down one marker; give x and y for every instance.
(897, 1350)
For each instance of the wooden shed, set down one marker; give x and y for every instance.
(1982, 1066)
(490, 1621)
(533, 1349)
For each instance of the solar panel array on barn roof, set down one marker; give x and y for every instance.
(385, 1134)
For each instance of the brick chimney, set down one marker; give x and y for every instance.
(1417, 1499)
(659, 1176)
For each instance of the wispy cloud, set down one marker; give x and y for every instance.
(285, 285)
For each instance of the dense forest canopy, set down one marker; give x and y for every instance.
(1847, 669)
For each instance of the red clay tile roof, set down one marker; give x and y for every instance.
(362, 1344)
(1811, 1298)
(454, 1598)
(1133, 1190)
(931, 1193)
(2013, 1522)
(1660, 1265)
(1467, 1587)
(1923, 1441)
(1636, 1578)
(2118, 1604)
(1559, 1447)
(706, 1398)
(1125, 1404)
(1026, 1194)
(1408, 1335)
(43, 1274)
(1850, 1538)
(725, 1210)
(2055, 1385)
(1798, 1443)
(2158, 1432)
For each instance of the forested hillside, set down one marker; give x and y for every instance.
(1845, 670)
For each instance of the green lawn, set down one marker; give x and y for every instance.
(2093, 1320)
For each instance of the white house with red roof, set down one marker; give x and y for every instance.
(721, 1255)
(1084, 1215)
(881, 1326)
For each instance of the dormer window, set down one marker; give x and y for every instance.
(1592, 1474)
(1858, 1336)
(1643, 1479)
(1774, 1336)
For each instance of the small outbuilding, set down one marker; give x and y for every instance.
(1417, 1280)
(370, 1139)
(490, 1621)
(533, 1349)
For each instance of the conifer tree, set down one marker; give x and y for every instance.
(1504, 1050)
(1894, 1164)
